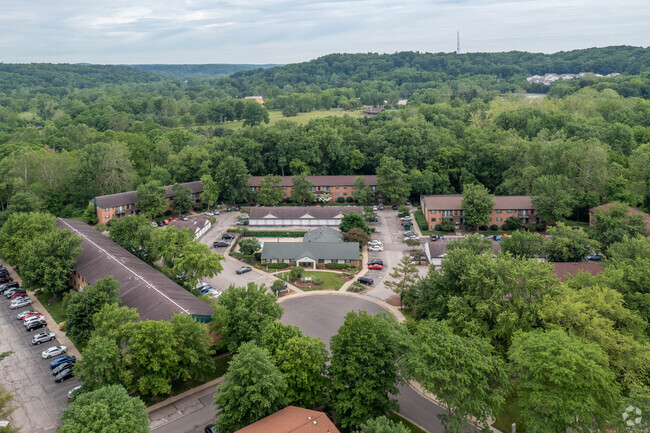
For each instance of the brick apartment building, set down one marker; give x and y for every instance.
(336, 186)
(122, 204)
(439, 207)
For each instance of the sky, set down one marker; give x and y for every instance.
(289, 31)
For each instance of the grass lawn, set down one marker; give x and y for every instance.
(54, 308)
(409, 425)
(331, 280)
(582, 224)
(301, 118)
(505, 419)
(434, 232)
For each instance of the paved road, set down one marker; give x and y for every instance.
(38, 399)
(191, 414)
(321, 316)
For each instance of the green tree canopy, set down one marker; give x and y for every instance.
(252, 388)
(90, 214)
(301, 189)
(362, 192)
(352, 220)
(561, 382)
(249, 246)
(231, 178)
(106, 409)
(357, 234)
(47, 261)
(382, 425)
(392, 180)
(242, 313)
(150, 198)
(405, 274)
(80, 307)
(254, 114)
(135, 234)
(20, 229)
(270, 193)
(182, 198)
(553, 198)
(523, 245)
(567, 245)
(210, 193)
(616, 222)
(478, 205)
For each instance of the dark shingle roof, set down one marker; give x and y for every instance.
(123, 198)
(453, 202)
(297, 212)
(155, 296)
(562, 270)
(323, 234)
(314, 250)
(320, 180)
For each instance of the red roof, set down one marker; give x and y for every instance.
(292, 419)
(561, 269)
(630, 210)
(319, 180)
(453, 202)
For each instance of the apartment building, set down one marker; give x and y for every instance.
(439, 207)
(336, 186)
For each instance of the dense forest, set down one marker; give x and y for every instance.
(71, 132)
(184, 72)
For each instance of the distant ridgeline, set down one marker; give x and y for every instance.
(183, 72)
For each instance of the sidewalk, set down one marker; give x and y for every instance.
(51, 324)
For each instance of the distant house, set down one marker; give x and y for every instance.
(300, 215)
(198, 226)
(373, 111)
(439, 207)
(319, 247)
(257, 99)
(562, 270)
(292, 419)
(142, 287)
(336, 186)
(630, 210)
(402, 102)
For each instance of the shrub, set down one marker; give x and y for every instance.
(357, 287)
(483, 228)
(512, 223)
(341, 266)
(403, 214)
(197, 207)
(257, 256)
(296, 272)
(271, 233)
(168, 213)
(494, 227)
(438, 227)
(316, 281)
(340, 200)
(288, 200)
(402, 208)
(350, 199)
(447, 225)
(246, 222)
(275, 265)
(421, 220)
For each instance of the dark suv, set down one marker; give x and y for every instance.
(228, 236)
(218, 244)
(6, 286)
(365, 280)
(376, 262)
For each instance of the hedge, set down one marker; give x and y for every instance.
(342, 266)
(276, 265)
(421, 220)
(273, 233)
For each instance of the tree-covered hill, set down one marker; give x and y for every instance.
(184, 72)
(48, 75)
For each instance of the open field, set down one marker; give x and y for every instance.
(331, 280)
(301, 118)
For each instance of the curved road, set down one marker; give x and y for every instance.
(321, 316)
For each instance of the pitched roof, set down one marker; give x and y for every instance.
(453, 202)
(313, 250)
(319, 180)
(298, 212)
(630, 210)
(155, 296)
(193, 225)
(123, 198)
(562, 270)
(292, 419)
(323, 234)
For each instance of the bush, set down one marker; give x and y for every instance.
(357, 287)
(512, 223)
(168, 213)
(246, 222)
(257, 256)
(421, 220)
(341, 266)
(196, 207)
(350, 199)
(447, 225)
(275, 265)
(438, 227)
(289, 111)
(271, 233)
(494, 227)
(483, 228)
(316, 281)
(288, 200)
(402, 208)
(340, 200)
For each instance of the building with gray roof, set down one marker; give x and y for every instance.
(300, 215)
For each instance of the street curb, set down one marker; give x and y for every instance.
(174, 399)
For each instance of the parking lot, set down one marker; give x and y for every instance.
(39, 401)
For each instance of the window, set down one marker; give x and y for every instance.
(498, 210)
(106, 209)
(523, 213)
(107, 216)
(345, 193)
(337, 193)
(499, 219)
(313, 188)
(119, 208)
(345, 187)
(326, 188)
(432, 211)
(447, 213)
(433, 219)
(509, 211)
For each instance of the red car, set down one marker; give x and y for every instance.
(166, 222)
(32, 315)
(18, 295)
(375, 266)
(172, 219)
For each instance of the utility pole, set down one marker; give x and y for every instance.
(457, 42)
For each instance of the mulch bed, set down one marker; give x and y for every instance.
(394, 301)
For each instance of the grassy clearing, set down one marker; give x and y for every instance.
(55, 308)
(582, 224)
(28, 115)
(409, 425)
(301, 118)
(331, 280)
(435, 232)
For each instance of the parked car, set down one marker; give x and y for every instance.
(74, 392)
(408, 203)
(220, 244)
(405, 218)
(54, 351)
(61, 359)
(43, 337)
(595, 257)
(375, 248)
(365, 280)
(5, 278)
(434, 238)
(211, 428)
(205, 289)
(9, 293)
(240, 223)
(497, 238)
(64, 375)
(62, 367)
(209, 213)
(183, 218)
(228, 236)
(375, 266)
(381, 207)
(394, 207)
(172, 219)
(27, 313)
(215, 212)
(19, 303)
(243, 269)
(35, 325)
(410, 234)
(375, 208)
(376, 262)
(33, 319)
(153, 224)
(8, 285)
(18, 295)
(165, 222)
(237, 207)
(374, 242)
(160, 224)
(214, 293)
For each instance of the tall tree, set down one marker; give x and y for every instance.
(252, 388)
(193, 346)
(210, 193)
(405, 275)
(357, 234)
(383, 425)
(19, 230)
(242, 313)
(612, 225)
(301, 189)
(362, 192)
(254, 114)
(150, 199)
(102, 365)
(391, 179)
(561, 383)
(567, 245)
(90, 214)
(354, 220)
(553, 198)
(182, 198)
(196, 262)
(135, 234)
(523, 244)
(47, 261)
(232, 178)
(464, 373)
(80, 307)
(106, 409)
(363, 369)
(270, 193)
(478, 205)
(6, 398)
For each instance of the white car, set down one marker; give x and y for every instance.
(74, 391)
(374, 208)
(22, 314)
(244, 216)
(33, 319)
(375, 248)
(406, 218)
(213, 293)
(54, 351)
(215, 212)
(209, 213)
(19, 303)
(42, 337)
(374, 242)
